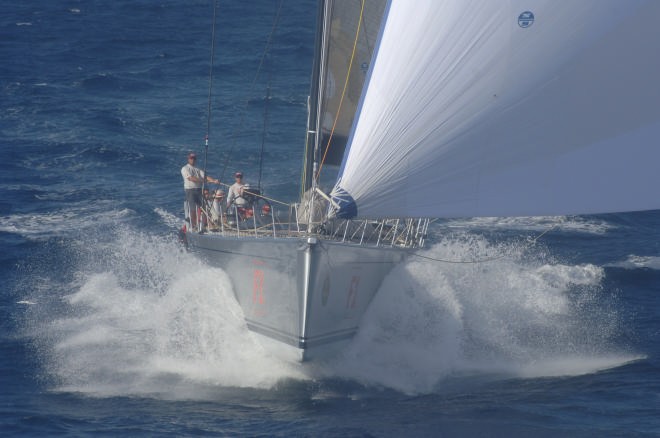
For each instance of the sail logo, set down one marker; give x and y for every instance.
(525, 19)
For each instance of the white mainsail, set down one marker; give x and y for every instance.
(516, 108)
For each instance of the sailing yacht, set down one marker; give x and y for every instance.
(443, 108)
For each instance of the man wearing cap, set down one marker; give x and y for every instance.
(193, 179)
(236, 191)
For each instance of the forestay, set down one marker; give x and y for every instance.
(517, 108)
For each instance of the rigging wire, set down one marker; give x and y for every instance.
(343, 93)
(261, 196)
(208, 109)
(466, 262)
(531, 241)
(263, 134)
(239, 128)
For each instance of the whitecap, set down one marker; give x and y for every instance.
(576, 224)
(168, 218)
(637, 262)
(64, 221)
(574, 365)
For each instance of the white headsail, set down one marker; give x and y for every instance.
(515, 108)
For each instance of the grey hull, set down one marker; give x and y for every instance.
(304, 296)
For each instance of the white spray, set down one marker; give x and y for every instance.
(143, 317)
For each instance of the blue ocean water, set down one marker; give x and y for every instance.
(109, 328)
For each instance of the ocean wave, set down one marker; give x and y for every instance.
(108, 82)
(168, 218)
(64, 222)
(541, 223)
(637, 262)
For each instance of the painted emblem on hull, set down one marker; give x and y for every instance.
(258, 300)
(525, 19)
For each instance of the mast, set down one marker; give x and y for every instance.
(314, 99)
(208, 109)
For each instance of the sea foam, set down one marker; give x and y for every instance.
(140, 316)
(517, 316)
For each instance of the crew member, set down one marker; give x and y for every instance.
(193, 179)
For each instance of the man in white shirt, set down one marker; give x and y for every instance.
(236, 191)
(193, 179)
